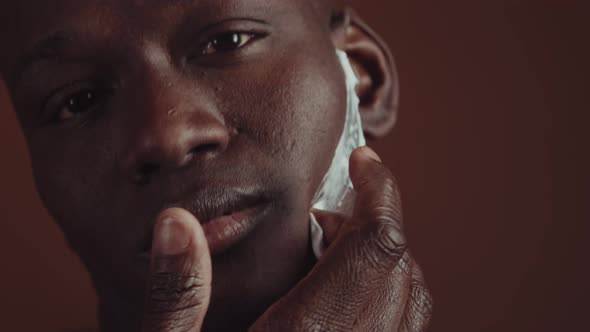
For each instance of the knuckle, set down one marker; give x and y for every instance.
(387, 237)
(385, 245)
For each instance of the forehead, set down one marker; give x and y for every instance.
(36, 15)
(29, 23)
(45, 12)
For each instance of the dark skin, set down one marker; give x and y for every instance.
(137, 111)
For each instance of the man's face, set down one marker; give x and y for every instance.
(133, 106)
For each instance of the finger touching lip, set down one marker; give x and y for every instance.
(226, 223)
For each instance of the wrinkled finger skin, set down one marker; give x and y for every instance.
(366, 280)
(171, 297)
(419, 306)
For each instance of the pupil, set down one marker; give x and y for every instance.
(82, 101)
(228, 41)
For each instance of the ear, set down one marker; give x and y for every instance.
(371, 59)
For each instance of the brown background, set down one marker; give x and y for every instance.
(489, 150)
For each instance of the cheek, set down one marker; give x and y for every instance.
(71, 179)
(296, 113)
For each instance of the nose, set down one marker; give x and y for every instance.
(172, 129)
(171, 145)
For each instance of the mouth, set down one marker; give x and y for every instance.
(226, 216)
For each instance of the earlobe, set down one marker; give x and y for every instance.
(378, 88)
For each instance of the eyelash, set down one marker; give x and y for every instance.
(209, 47)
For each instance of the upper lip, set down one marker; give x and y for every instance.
(209, 204)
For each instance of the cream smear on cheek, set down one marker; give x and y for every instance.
(335, 193)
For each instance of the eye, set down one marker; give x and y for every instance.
(78, 103)
(74, 100)
(227, 42)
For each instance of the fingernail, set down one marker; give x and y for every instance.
(171, 237)
(367, 151)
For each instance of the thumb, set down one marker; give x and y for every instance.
(180, 283)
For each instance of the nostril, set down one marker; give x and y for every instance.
(204, 149)
(149, 168)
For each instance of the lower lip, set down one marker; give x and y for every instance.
(226, 231)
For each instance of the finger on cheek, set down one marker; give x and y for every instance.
(357, 265)
(366, 168)
(377, 210)
(376, 187)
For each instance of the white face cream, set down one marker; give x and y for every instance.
(335, 193)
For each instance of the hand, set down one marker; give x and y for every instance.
(366, 280)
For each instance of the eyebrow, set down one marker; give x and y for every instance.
(49, 47)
